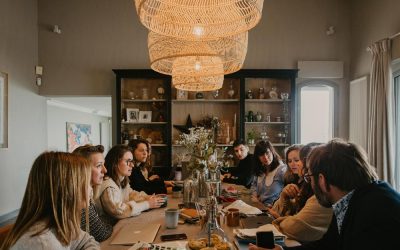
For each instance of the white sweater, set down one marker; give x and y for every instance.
(48, 240)
(119, 203)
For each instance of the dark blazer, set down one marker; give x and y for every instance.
(243, 173)
(372, 221)
(139, 183)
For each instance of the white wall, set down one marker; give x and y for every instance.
(57, 118)
(27, 136)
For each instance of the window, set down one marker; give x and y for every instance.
(397, 127)
(316, 116)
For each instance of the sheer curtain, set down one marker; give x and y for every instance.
(380, 141)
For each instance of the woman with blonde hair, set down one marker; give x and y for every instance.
(50, 214)
(98, 228)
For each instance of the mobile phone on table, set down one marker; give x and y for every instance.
(169, 237)
(265, 239)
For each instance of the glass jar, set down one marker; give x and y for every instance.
(145, 94)
(261, 94)
(191, 190)
(258, 117)
(249, 94)
(231, 91)
(209, 224)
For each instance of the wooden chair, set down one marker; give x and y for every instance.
(4, 231)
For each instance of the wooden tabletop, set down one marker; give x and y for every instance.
(157, 216)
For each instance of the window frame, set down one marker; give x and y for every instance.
(396, 74)
(318, 83)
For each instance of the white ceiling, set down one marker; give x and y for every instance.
(95, 105)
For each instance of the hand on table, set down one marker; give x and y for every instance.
(227, 175)
(254, 247)
(153, 177)
(273, 213)
(155, 201)
(169, 183)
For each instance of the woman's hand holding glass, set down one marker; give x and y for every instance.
(290, 191)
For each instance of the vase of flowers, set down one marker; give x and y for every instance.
(201, 148)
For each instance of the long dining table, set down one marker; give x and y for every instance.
(191, 230)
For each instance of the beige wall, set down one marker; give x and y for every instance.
(27, 110)
(95, 40)
(371, 21)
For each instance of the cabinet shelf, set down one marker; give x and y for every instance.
(273, 144)
(266, 100)
(204, 100)
(231, 112)
(159, 145)
(267, 123)
(143, 123)
(218, 145)
(143, 101)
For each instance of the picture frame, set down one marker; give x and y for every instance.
(3, 110)
(145, 116)
(132, 115)
(181, 94)
(78, 135)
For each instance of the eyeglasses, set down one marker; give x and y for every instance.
(128, 162)
(307, 177)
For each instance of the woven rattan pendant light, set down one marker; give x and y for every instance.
(168, 53)
(203, 83)
(199, 19)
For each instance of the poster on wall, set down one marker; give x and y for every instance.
(78, 135)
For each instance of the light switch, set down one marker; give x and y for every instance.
(39, 70)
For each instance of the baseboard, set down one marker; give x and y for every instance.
(6, 218)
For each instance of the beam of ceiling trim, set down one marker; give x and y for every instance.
(70, 106)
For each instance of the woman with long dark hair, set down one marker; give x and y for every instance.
(269, 171)
(298, 213)
(116, 199)
(143, 178)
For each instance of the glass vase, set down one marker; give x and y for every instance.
(210, 228)
(202, 178)
(214, 182)
(191, 190)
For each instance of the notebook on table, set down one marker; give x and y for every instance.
(136, 232)
(255, 221)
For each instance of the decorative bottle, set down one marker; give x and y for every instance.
(191, 190)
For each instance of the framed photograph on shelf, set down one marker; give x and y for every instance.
(132, 115)
(145, 116)
(181, 94)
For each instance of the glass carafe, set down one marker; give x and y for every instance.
(191, 190)
(210, 229)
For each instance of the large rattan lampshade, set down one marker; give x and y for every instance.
(203, 83)
(167, 53)
(199, 19)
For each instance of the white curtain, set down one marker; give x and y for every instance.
(380, 141)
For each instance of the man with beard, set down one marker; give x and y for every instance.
(366, 211)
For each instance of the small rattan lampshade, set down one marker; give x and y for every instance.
(203, 83)
(199, 19)
(166, 51)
